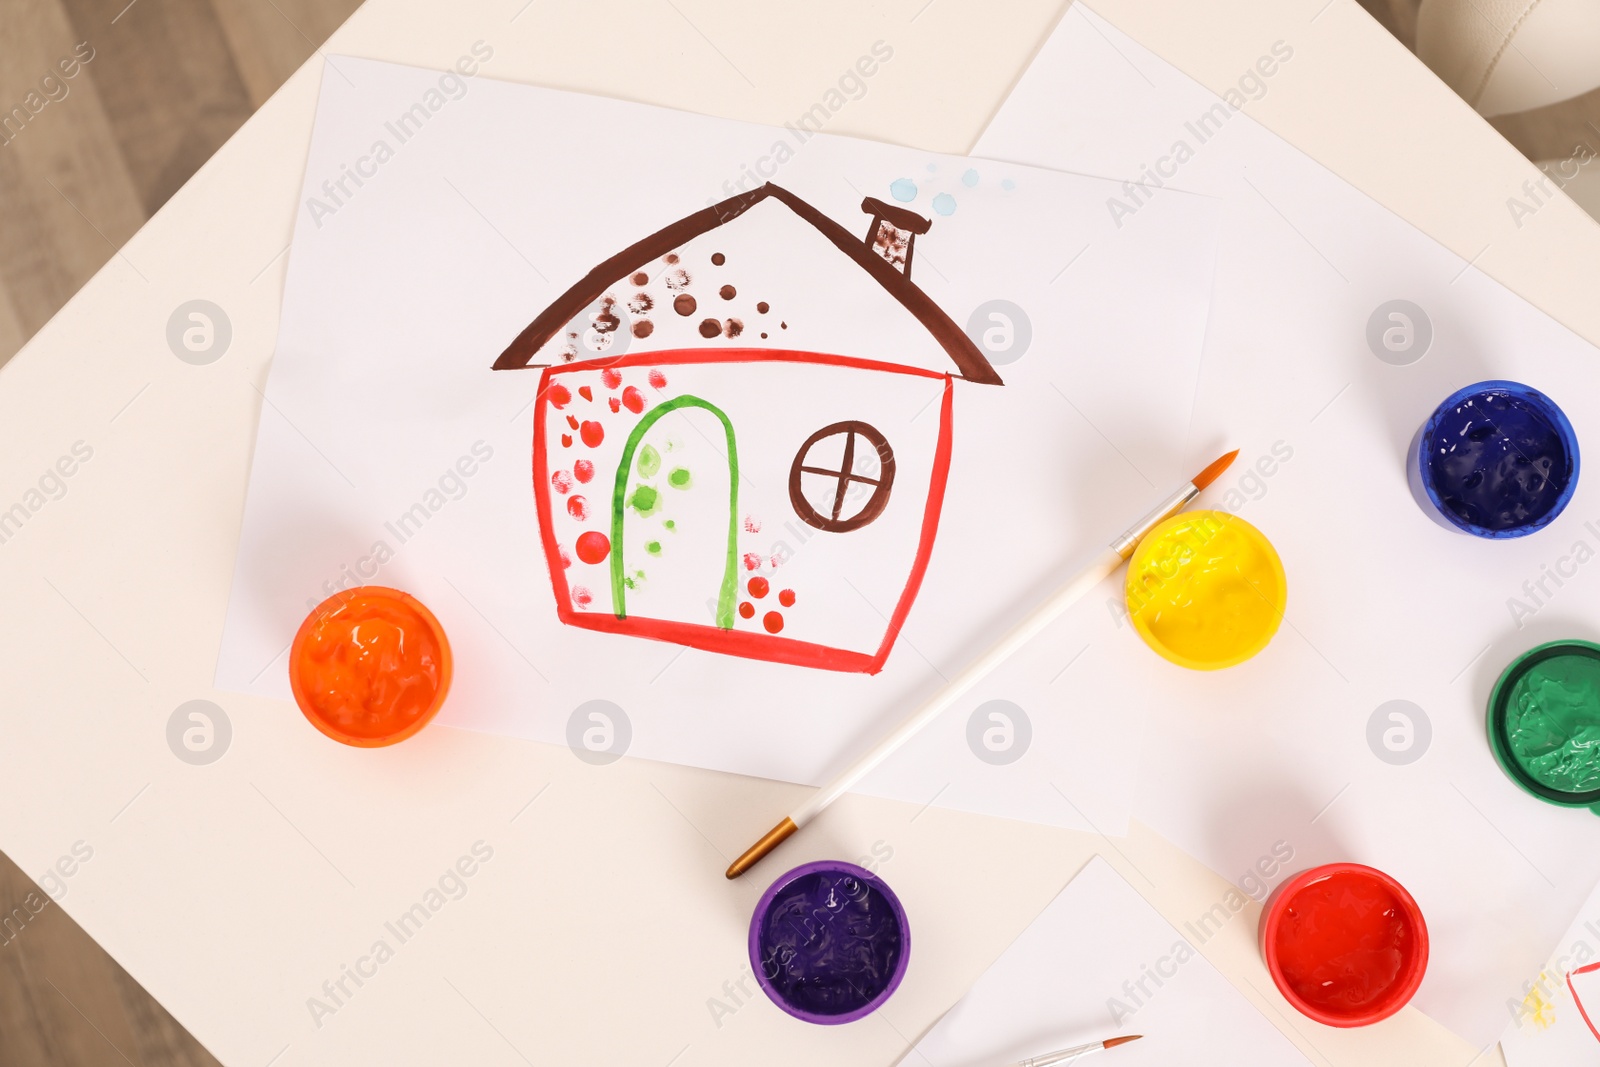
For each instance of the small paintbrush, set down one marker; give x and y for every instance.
(1067, 1055)
(1104, 564)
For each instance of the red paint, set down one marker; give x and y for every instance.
(752, 561)
(786, 598)
(616, 405)
(611, 377)
(758, 587)
(583, 390)
(578, 508)
(560, 396)
(747, 610)
(583, 470)
(566, 440)
(1345, 944)
(370, 666)
(756, 646)
(566, 560)
(751, 525)
(593, 546)
(772, 621)
(572, 421)
(1586, 969)
(593, 433)
(562, 481)
(632, 399)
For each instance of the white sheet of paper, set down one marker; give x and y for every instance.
(389, 452)
(1558, 1018)
(1100, 962)
(1383, 603)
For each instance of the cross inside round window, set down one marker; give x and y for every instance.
(841, 477)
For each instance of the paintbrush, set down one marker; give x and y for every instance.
(1020, 634)
(1067, 1055)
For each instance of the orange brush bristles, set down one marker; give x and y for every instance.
(1211, 473)
(1113, 1042)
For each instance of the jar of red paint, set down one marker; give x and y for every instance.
(1345, 944)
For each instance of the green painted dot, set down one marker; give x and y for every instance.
(669, 524)
(653, 547)
(644, 500)
(679, 478)
(649, 461)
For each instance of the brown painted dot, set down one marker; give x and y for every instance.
(763, 307)
(641, 278)
(684, 304)
(727, 292)
(718, 259)
(773, 621)
(710, 327)
(786, 598)
(643, 328)
(783, 325)
(733, 327)
(670, 257)
(763, 337)
(747, 610)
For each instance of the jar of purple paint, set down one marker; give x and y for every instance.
(829, 942)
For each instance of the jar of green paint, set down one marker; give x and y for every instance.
(1544, 723)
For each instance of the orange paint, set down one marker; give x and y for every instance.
(370, 666)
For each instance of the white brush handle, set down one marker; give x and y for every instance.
(1024, 631)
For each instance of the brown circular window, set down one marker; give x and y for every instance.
(841, 477)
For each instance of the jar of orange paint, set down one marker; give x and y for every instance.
(370, 666)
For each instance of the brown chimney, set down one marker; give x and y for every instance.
(894, 230)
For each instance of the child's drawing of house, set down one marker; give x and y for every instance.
(743, 432)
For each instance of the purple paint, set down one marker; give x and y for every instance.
(829, 942)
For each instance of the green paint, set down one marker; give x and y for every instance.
(729, 590)
(679, 478)
(669, 524)
(645, 500)
(649, 462)
(653, 547)
(1553, 722)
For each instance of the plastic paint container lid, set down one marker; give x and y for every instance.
(370, 666)
(829, 942)
(1206, 590)
(1544, 723)
(1345, 944)
(1496, 459)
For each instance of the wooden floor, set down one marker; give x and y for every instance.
(156, 87)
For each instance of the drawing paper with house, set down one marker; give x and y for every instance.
(715, 466)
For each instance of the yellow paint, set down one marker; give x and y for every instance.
(1538, 1008)
(1206, 590)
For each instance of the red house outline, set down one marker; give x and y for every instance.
(1586, 969)
(892, 234)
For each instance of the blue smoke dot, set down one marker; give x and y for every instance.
(969, 179)
(944, 204)
(903, 190)
(1008, 185)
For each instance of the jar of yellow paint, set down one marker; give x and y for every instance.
(1206, 590)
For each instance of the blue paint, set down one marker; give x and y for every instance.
(970, 179)
(831, 942)
(1007, 184)
(903, 190)
(1498, 459)
(944, 204)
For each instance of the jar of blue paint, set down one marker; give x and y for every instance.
(1496, 459)
(829, 942)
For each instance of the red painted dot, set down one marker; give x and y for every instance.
(758, 587)
(585, 392)
(562, 481)
(772, 621)
(593, 433)
(633, 399)
(593, 546)
(572, 421)
(583, 470)
(566, 560)
(578, 508)
(747, 610)
(560, 395)
(612, 378)
(581, 596)
(616, 405)
(566, 440)
(752, 561)
(657, 380)
(786, 598)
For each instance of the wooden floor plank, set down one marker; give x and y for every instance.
(271, 40)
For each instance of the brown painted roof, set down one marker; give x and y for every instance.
(592, 286)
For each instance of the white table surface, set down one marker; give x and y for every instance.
(602, 924)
